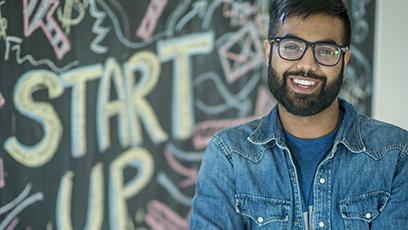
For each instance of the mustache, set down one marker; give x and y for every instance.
(303, 73)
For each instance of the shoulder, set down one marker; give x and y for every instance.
(382, 137)
(237, 133)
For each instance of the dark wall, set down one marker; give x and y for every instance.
(106, 106)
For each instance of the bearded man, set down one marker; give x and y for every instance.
(313, 162)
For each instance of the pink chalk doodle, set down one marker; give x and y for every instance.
(2, 182)
(241, 53)
(160, 217)
(2, 100)
(151, 18)
(39, 14)
(240, 13)
(191, 174)
(13, 224)
(206, 129)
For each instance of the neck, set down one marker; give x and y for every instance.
(309, 127)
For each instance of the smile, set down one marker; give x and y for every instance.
(304, 83)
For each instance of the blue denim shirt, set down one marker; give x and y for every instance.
(248, 180)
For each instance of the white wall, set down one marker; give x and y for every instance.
(390, 96)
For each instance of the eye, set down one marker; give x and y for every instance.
(327, 51)
(291, 45)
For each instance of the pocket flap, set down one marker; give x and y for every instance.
(364, 207)
(260, 209)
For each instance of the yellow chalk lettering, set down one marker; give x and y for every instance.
(181, 49)
(149, 67)
(95, 200)
(120, 191)
(41, 152)
(78, 78)
(107, 109)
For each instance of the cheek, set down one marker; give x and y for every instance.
(332, 73)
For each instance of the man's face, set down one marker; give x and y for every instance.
(305, 87)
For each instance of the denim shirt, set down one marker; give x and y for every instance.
(248, 179)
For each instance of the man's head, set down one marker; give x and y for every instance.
(307, 52)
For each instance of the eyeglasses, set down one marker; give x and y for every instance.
(293, 48)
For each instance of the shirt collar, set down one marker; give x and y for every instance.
(270, 128)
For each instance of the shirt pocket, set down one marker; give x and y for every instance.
(264, 212)
(360, 210)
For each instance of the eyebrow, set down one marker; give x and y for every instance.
(330, 41)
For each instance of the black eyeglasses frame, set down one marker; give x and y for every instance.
(276, 40)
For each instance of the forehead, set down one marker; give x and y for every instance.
(313, 28)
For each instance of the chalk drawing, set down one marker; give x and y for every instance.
(14, 43)
(181, 49)
(120, 191)
(41, 112)
(119, 33)
(240, 13)
(95, 207)
(66, 17)
(13, 224)
(250, 53)
(97, 28)
(18, 205)
(241, 101)
(3, 24)
(2, 100)
(123, 14)
(209, 16)
(199, 9)
(78, 78)
(189, 156)
(357, 86)
(151, 18)
(107, 108)
(175, 16)
(148, 65)
(174, 191)
(39, 14)
(190, 173)
(2, 181)
(360, 24)
(162, 217)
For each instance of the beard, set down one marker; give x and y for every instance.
(304, 104)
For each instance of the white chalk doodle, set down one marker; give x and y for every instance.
(14, 43)
(19, 204)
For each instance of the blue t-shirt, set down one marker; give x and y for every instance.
(307, 154)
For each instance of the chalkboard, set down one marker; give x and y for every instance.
(107, 106)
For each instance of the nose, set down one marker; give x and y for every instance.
(308, 61)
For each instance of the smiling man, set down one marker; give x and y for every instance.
(313, 162)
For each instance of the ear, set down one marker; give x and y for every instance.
(267, 47)
(347, 56)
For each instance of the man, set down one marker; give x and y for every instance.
(313, 162)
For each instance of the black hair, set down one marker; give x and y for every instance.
(281, 9)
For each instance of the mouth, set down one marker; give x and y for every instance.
(303, 85)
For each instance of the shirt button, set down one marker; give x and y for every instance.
(321, 224)
(322, 180)
(368, 215)
(260, 219)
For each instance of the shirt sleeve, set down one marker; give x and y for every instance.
(213, 204)
(395, 213)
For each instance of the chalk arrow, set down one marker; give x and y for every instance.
(39, 14)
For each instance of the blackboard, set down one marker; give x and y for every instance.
(106, 106)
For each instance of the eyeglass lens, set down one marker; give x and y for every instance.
(294, 49)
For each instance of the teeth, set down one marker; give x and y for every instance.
(304, 82)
